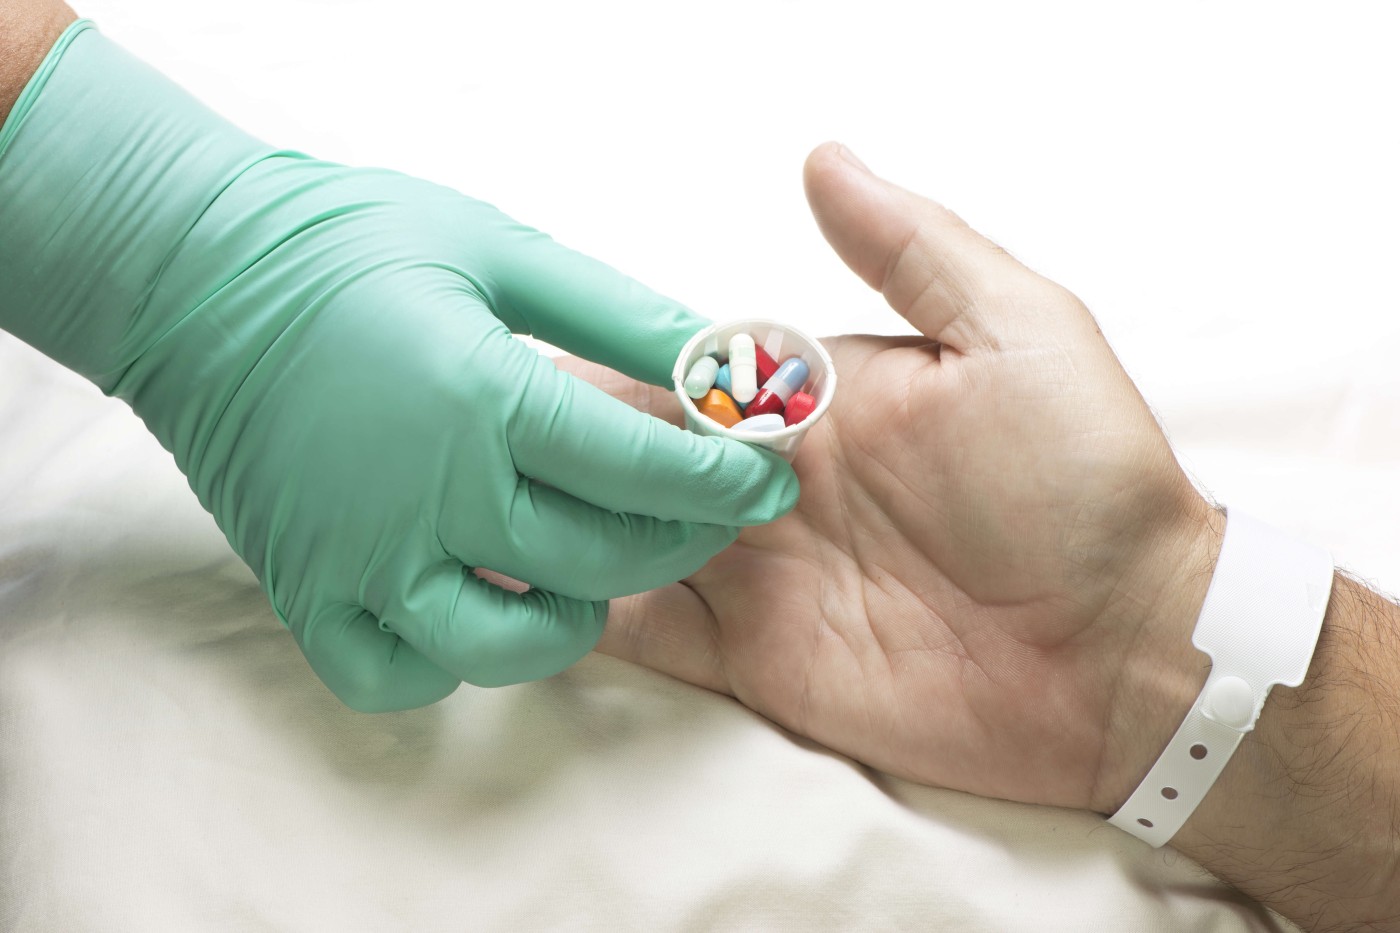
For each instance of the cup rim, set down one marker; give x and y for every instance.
(792, 430)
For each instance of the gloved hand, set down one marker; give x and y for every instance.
(327, 352)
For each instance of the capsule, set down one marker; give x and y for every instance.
(763, 424)
(701, 377)
(765, 364)
(743, 368)
(719, 408)
(723, 382)
(786, 382)
(798, 408)
(766, 402)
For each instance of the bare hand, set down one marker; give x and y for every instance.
(992, 529)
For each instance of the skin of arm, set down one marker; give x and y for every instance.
(28, 29)
(1306, 816)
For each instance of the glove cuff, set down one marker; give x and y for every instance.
(105, 165)
(37, 81)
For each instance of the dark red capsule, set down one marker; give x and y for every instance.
(766, 402)
(766, 365)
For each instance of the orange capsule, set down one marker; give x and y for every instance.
(719, 408)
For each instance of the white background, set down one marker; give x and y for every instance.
(1217, 181)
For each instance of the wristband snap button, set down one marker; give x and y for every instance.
(1230, 702)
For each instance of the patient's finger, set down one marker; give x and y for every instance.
(670, 630)
(953, 284)
(658, 402)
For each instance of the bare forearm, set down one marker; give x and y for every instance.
(28, 29)
(1306, 817)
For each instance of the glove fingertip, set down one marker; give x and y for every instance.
(764, 486)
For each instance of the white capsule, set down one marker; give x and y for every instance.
(763, 424)
(701, 377)
(743, 368)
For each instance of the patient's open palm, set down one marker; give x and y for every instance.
(978, 537)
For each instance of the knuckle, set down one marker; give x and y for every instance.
(365, 687)
(373, 696)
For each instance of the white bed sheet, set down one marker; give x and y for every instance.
(168, 761)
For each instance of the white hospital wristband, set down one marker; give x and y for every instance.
(1259, 624)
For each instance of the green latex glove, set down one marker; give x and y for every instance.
(327, 352)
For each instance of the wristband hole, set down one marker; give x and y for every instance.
(1169, 793)
(1198, 751)
(1147, 823)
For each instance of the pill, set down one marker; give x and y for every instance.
(785, 383)
(743, 368)
(761, 423)
(722, 381)
(766, 402)
(789, 378)
(701, 377)
(798, 408)
(719, 408)
(765, 364)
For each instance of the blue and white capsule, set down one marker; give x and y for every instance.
(786, 382)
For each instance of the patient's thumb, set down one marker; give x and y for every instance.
(931, 266)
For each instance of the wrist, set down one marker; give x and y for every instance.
(1159, 671)
(105, 166)
(1304, 816)
(28, 29)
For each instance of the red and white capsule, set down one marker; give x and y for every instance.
(786, 382)
(764, 363)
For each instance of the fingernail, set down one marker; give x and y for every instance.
(850, 157)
